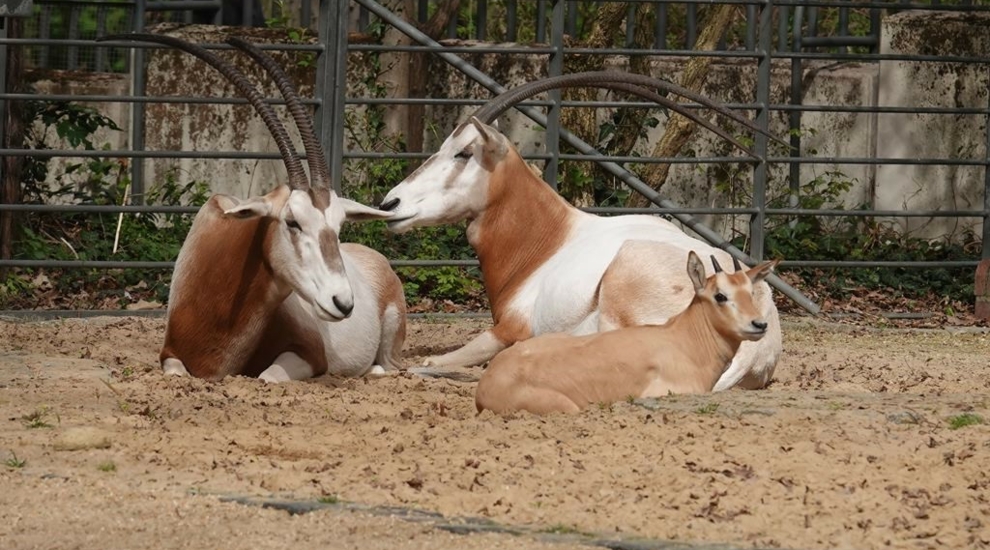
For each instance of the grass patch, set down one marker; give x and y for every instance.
(14, 462)
(38, 419)
(963, 420)
(710, 408)
(107, 466)
(329, 499)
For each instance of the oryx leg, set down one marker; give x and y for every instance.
(476, 352)
(174, 367)
(287, 366)
(393, 336)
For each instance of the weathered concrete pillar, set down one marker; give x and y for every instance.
(982, 290)
(932, 84)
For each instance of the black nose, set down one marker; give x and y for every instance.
(344, 308)
(390, 205)
(762, 325)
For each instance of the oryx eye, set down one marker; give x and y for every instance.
(720, 298)
(465, 154)
(293, 225)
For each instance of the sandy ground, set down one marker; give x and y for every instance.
(852, 446)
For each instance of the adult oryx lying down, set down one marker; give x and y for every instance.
(549, 267)
(263, 287)
(688, 354)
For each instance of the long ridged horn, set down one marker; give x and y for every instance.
(315, 157)
(629, 82)
(735, 264)
(718, 268)
(297, 175)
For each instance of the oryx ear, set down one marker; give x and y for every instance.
(696, 271)
(357, 212)
(760, 272)
(482, 129)
(250, 208)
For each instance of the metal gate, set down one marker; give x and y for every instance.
(774, 30)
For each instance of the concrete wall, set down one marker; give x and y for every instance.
(888, 83)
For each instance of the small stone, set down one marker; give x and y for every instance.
(80, 438)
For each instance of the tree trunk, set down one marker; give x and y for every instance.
(395, 66)
(418, 65)
(679, 128)
(582, 122)
(13, 137)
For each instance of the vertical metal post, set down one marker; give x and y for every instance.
(795, 115)
(752, 23)
(661, 30)
(3, 89)
(510, 21)
(692, 26)
(556, 68)
(481, 25)
(331, 84)
(541, 20)
(137, 110)
(985, 252)
(981, 288)
(760, 174)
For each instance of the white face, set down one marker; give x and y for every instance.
(308, 257)
(450, 186)
(305, 253)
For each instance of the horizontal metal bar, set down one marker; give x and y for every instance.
(824, 264)
(176, 5)
(149, 99)
(53, 314)
(778, 55)
(702, 160)
(647, 105)
(127, 264)
(850, 264)
(162, 209)
(463, 102)
(126, 153)
(99, 208)
(830, 41)
(315, 47)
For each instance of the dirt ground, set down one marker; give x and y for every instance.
(858, 443)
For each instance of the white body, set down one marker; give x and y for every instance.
(545, 262)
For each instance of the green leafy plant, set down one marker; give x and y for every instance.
(963, 420)
(14, 462)
(87, 236)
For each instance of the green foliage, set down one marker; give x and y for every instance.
(14, 462)
(78, 20)
(87, 236)
(709, 408)
(963, 420)
(106, 466)
(861, 238)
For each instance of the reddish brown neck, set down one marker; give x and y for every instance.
(524, 224)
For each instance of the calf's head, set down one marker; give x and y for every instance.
(728, 297)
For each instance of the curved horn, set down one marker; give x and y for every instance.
(718, 268)
(297, 175)
(608, 79)
(735, 264)
(315, 157)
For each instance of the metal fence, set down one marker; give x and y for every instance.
(775, 29)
